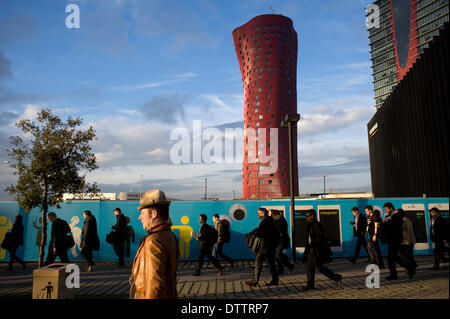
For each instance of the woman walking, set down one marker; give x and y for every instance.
(89, 238)
(16, 240)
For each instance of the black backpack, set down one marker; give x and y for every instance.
(383, 232)
(226, 230)
(211, 234)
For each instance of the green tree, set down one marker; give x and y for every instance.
(52, 158)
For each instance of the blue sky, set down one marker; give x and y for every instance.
(135, 70)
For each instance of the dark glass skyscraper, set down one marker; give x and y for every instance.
(266, 48)
(405, 29)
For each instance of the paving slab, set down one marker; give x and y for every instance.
(109, 281)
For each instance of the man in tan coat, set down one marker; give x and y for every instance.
(153, 275)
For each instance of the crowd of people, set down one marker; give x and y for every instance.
(397, 231)
(153, 273)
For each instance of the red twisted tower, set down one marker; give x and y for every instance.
(266, 48)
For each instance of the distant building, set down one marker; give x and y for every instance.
(406, 28)
(408, 135)
(129, 196)
(266, 49)
(90, 196)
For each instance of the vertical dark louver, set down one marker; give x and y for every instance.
(408, 135)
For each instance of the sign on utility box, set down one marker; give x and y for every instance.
(49, 282)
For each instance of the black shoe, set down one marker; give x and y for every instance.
(196, 273)
(24, 264)
(232, 264)
(391, 277)
(306, 288)
(339, 282)
(290, 269)
(251, 283)
(272, 283)
(412, 274)
(352, 260)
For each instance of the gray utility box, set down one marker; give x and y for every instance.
(49, 282)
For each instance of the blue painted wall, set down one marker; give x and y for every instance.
(185, 216)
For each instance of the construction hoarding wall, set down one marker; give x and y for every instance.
(334, 214)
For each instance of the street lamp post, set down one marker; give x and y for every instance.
(289, 121)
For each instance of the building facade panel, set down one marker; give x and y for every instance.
(405, 30)
(266, 48)
(408, 135)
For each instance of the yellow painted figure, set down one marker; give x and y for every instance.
(5, 225)
(185, 236)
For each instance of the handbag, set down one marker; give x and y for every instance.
(111, 238)
(6, 241)
(70, 242)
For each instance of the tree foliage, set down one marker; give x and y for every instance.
(51, 158)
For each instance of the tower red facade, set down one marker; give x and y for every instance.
(266, 48)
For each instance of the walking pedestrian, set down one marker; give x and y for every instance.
(89, 238)
(223, 236)
(359, 230)
(15, 240)
(284, 242)
(269, 237)
(409, 238)
(317, 252)
(440, 235)
(120, 235)
(207, 237)
(374, 224)
(154, 270)
(58, 240)
(394, 228)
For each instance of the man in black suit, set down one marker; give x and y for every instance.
(317, 252)
(282, 227)
(394, 227)
(205, 244)
(121, 235)
(58, 241)
(269, 237)
(439, 231)
(359, 231)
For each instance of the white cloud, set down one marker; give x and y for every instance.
(115, 153)
(157, 153)
(217, 101)
(326, 120)
(174, 79)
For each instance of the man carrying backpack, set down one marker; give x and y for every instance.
(207, 237)
(394, 228)
(223, 231)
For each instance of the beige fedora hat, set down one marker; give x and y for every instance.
(154, 197)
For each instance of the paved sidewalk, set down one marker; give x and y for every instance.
(109, 281)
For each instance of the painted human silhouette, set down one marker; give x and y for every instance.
(49, 289)
(185, 236)
(130, 237)
(76, 233)
(39, 230)
(5, 225)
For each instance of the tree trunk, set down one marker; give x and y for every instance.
(43, 237)
(44, 229)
